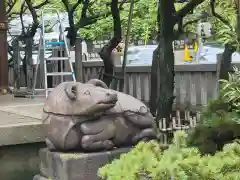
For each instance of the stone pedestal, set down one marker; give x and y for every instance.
(74, 166)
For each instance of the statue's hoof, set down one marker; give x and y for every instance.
(50, 145)
(108, 144)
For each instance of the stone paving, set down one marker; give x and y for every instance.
(20, 120)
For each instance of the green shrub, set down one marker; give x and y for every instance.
(219, 122)
(214, 131)
(178, 162)
(230, 90)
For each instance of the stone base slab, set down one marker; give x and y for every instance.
(38, 177)
(74, 166)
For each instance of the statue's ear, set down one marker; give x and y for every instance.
(98, 83)
(71, 91)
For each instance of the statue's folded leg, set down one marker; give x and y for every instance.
(89, 145)
(140, 120)
(97, 134)
(146, 134)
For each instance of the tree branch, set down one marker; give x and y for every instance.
(107, 49)
(66, 4)
(180, 26)
(84, 9)
(85, 21)
(35, 24)
(187, 9)
(91, 20)
(72, 31)
(116, 25)
(75, 6)
(10, 4)
(180, 29)
(41, 4)
(218, 16)
(91, 12)
(21, 18)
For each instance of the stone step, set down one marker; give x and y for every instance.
(19, 129)
(21, 120)
(74, 166)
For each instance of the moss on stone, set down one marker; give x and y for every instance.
(70, 156)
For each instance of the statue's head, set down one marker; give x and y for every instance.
(89, 99)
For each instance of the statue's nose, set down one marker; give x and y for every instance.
(112, 96)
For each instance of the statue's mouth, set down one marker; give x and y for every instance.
(108, 102)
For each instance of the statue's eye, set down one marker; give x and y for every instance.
(87, 92)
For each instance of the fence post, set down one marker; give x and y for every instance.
(78, 60)
(16, 63)
(41, 68)
(218, 69)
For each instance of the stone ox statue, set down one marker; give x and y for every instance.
(92, 117)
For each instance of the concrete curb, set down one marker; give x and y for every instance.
(22, 133)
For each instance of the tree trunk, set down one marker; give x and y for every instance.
(226, 62)
(71, 30)
(3, 47)
(29, 62)
(224, 67)
(162, 72)
(107, 49)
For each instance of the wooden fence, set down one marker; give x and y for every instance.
(195, 84)
(179, 120)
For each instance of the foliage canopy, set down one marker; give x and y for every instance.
(222, 33)
(144, 23)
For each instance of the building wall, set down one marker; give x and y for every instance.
(20, 162)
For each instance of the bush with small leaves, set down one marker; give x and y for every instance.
(147, 161)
